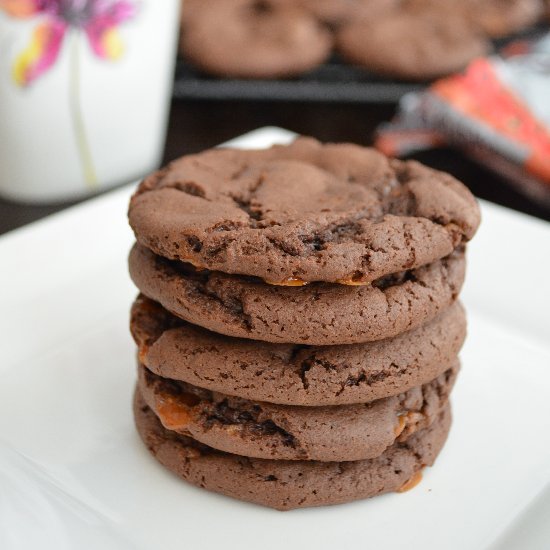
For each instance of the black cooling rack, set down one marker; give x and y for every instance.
(333, 81)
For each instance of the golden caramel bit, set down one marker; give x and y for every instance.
(407, 423)
(289, 281)
(352, 282)
(173, 415)
(411, 483)
(401, 423)
(357, 279)
(295, 281)
(143, 350)
(175, 411)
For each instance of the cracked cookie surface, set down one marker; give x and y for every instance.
(295, 374)
(319, 314)
(495, 18)
(337, 12)
(284, 484)
(282, 432)
(252, 38)
(419, 54)
(303, 212)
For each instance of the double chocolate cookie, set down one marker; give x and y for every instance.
(298, 323)
(317, 314)
(302, 213)
(337, 12)
(295, 374)
(494, 18)
(253, 38)
(407, 45)
(282, 432)
(288, 484)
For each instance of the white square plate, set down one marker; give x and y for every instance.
(74, 474)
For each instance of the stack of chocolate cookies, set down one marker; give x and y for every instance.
(298, 325)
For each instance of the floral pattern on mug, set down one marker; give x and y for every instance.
(98, 21)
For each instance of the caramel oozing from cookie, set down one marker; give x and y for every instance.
(401, 422)
(356, 279)
(143, 350)
(351, 281)
(295, 281)
(406, 423)
(175, 413)
(411, 483)
(289, 281)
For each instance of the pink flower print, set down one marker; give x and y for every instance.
(97, 19)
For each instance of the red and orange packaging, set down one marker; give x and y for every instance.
(497, 111)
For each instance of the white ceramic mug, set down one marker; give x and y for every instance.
(85, 87)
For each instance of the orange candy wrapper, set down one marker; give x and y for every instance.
(497, 111)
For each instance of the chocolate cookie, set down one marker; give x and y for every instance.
(253, 38)
(295, 374)
(495, 18)
(319, 314)
(282, 432)
(336, 12)
(499, 18)
(302, 212)
(412, 46)
(283, 484)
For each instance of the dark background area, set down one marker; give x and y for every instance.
(197, 125)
